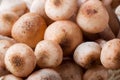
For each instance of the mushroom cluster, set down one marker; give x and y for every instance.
(60, 40)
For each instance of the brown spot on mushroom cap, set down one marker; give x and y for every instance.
(89, 11)
(17, 62)
(57, 2)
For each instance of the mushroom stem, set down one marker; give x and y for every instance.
(107, 34)
(113, 21)
(89, 36)
(118, 36)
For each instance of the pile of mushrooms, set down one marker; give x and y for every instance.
(60, 40)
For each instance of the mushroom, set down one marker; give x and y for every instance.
(29, 29)
(66, 33)
(87, 54)
(92, 16)
(48, 54)
(110, 54)
(60, 9)
(20, 60)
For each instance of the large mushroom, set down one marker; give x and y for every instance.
(92, 16)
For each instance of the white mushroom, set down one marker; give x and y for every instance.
(92, 16)
(60, 9)
(87, 54)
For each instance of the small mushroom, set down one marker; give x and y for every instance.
(110, 54)
(20, 60)
(48, 54)
(87, 54)
(60, 9)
